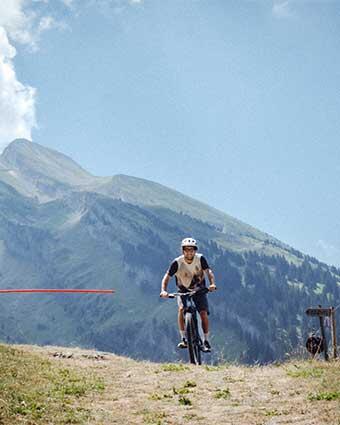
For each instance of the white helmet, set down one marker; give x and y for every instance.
(189, 242)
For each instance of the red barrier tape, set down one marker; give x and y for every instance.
(76, 291)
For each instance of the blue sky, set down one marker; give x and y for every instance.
(235, 103)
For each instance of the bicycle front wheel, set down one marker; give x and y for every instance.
(193, 339)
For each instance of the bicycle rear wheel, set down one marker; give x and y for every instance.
(193, 339)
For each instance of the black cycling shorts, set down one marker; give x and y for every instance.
(200, 300)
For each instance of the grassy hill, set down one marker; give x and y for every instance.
(62, 386)
(61, 227)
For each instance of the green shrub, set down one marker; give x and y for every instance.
(225, 393)
(184, 401)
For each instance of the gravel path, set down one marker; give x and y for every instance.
(151, 393)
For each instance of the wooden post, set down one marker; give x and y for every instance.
(323, 312)
(333, 332)
(323, 335)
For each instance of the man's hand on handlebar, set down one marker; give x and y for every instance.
(164, 294)
(212, 287)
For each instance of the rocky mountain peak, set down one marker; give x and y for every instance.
(32, 159)
(41, 172)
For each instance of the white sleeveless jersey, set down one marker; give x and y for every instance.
(190, 275)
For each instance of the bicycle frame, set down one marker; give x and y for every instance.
(191, 324)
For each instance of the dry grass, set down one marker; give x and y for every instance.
(302, 392)
(35, 390)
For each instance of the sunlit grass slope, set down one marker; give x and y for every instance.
(59, 386)
(35, 390)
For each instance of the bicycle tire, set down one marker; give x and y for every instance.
(193, 347)
(198, 349)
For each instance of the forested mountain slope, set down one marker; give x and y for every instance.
(62, 227)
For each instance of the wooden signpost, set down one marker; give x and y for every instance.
(322, 313)
(333, 324)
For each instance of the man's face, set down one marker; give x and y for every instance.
(189, 253)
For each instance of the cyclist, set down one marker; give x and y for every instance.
(189, 270)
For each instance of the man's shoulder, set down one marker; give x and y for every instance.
(203, 261)
(178, 259)
(200, 257)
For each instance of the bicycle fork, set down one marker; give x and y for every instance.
(197, 338)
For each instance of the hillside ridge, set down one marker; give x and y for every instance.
(45, 174)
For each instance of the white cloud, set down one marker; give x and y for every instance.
(68, 3)
(107, 6)
(328, 252)
(47, 23)
(16, 23)
(283, 9)
(24, 21)
(17, 112)
(21, 22)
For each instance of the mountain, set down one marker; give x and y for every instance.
(62, 227)
(35, 170)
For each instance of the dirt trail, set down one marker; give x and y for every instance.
(150, 393)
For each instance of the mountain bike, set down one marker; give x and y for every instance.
(195, 345)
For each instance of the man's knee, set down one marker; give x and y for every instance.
(204, 313)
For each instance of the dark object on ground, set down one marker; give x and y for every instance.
(315, 344)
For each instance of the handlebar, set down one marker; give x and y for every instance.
(190, 293)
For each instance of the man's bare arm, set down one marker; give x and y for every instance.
(165, 282)
(211, 278)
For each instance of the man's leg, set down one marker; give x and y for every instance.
(205, 321)
(183, 343)
(205, 327)
(202, 305)
(180, 320)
